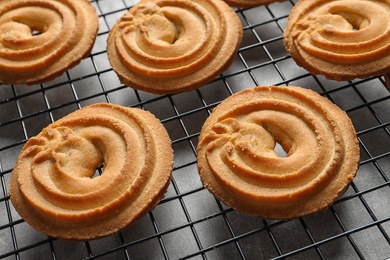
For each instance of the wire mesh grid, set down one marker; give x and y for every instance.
(189, 223)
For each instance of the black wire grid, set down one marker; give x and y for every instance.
(190, 223)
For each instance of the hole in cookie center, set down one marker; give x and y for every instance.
(33, 26)
(98, 172)
(282, 140)
(37, 29)
(280, 151)
(35, 32)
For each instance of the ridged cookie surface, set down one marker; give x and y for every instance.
(41, 39)
(53, 186)
(169, 46)
(238, 164)
(342, 40)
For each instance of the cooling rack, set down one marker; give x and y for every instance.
(190, 223)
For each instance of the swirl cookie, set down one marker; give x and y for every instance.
(341, 40)
(41, 39)
(53, 187)
(238, 164)
(169, 46)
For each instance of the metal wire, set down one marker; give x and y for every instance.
(189, 223)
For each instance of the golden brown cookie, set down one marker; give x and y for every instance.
(41, 39)
(53, 186)
(169, 46)
(341, 40)
(238, 164)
